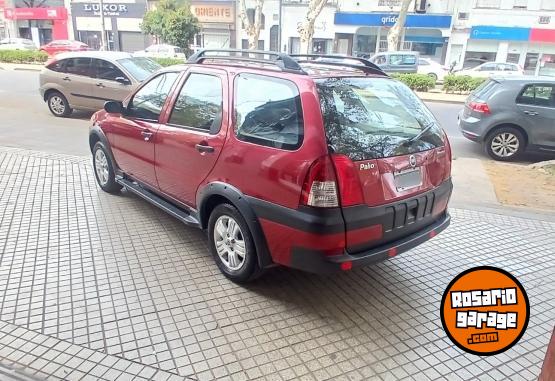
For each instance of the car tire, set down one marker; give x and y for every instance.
(58, 104)
(505, 144)
(104, 169)
(229, 235)
(433, 76)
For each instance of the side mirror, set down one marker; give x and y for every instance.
(123, 80)
(113, 107)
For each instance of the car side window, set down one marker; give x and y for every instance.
(147, 103)
(423, 62)
(58, 66)
(268, 111)
(79, 66)
(538, 95)
(488, 67)
(199, 104)
(107, 70)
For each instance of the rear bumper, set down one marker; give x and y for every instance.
(471, 127)
(314, 262)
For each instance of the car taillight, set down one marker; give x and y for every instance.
(320, 185)
(350, 192)
(481, 107)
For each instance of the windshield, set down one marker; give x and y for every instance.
(371, 118)
(139, 67)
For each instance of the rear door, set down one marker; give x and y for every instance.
(398, 149)
(536, 103)
(78, 81)
(191, 138)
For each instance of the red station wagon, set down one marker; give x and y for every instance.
(302, 161)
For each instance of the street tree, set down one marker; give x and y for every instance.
(394, 35)
(252, 26)
(306, 28)
(172, 22)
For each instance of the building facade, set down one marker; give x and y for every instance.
(217, 21)
(122, 22)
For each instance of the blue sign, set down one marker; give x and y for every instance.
(487, 32)
(389, 19)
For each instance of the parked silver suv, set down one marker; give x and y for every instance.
(511, 115)
(86, 80)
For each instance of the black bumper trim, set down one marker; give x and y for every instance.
(315, 262)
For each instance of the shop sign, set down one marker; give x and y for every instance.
(111, 9)
(389, 19)
(58, 13)
(542, 35)
(488, 32)
(213, 13)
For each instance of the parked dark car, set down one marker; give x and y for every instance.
(315, 165)
(511, 115)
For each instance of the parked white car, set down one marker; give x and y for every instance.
(489, 69)
(161, 51)
(432, 69)
(17, 44)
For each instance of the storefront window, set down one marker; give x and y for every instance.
(513, 57)
(531, 62)
(365, 44)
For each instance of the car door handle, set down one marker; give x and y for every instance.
(204, 148)
(66, 79)
(146, 135)
(530, 112)
(100, 84)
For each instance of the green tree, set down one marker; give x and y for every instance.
(172, 22)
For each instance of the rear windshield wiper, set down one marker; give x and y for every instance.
(419, 135)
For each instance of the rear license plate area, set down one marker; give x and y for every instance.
(407, 179)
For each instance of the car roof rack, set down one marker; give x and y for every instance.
(281, 60)
(366, 66)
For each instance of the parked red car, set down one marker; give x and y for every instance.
(316, 165)
(58, 46)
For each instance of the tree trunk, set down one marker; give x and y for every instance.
(394, 35)
(252, 28)
(306, 28)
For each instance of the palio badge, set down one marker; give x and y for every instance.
(485, 310)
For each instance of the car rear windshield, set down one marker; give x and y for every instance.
(140, 67)
(485, 89)
(372, 118)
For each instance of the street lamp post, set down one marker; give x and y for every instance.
(102, 27)
(279, 23)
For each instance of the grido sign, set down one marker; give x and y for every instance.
(109, 9)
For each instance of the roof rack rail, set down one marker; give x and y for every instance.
(366, 66)
(281, 60)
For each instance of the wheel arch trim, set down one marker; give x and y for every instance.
(236, 198)
(96, 134)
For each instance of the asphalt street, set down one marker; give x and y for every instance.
(27, 123)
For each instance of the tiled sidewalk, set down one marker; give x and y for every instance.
(109, 286)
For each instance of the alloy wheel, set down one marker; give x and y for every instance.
(101, 167)
(505, 144)
(229, 242)
(57, 105)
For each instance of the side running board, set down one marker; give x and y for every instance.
(171, 209)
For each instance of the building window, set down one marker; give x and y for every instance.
(488, 3)
(544, 20)
(463, 16)
(513, 57)
(520, 4)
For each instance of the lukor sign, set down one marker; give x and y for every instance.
(109, 9)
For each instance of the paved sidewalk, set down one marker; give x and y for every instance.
(442, 97)
(21, 67)
(102, 287)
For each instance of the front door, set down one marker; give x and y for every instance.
(134, 132)
(190, 141)
(536, 104)
(111, 83)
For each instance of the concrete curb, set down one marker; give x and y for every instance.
(21, 67)
(442, 97)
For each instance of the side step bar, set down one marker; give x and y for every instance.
(166, 206)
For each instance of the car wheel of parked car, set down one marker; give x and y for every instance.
(433, 76)
(58, 104)
(505, 143)
(104, 169)
(231, 243)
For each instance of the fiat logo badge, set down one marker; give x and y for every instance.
(412, 161)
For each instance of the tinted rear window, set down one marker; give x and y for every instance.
(485, 90)
(371, 118)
